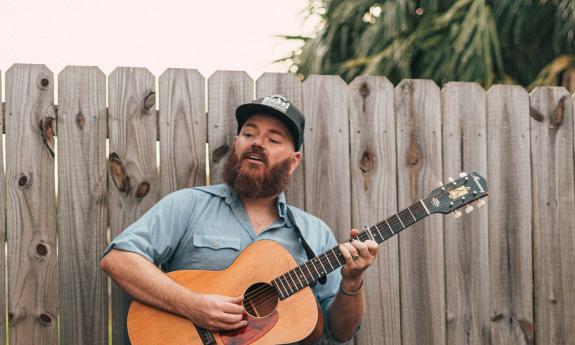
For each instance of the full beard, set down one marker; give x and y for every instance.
(247, 182)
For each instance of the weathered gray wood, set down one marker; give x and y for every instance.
(289, 86)
(2, 241)
(226, 91)
(327, 176)
(467, 238)
(553, 215)
(82, 209)
(374, 198)
(511, 268)
(131, 163)
(183, 130)
(32, 261)
(418, 116)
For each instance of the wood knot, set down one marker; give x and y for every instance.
(43, 82)
(558, 114)
(80, 120)
(413, 154)
(496, 316)
(367, 162)
(142, 189)
(41, 249)
(47, 133)
(15, 316)
(118, 173)
(364, 90)
(24, 181)
(150, 100)
(536, 114)
(527, 328)
(45, 319)
(220, 153)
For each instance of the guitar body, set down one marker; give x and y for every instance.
(262, 261)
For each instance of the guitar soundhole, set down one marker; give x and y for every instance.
(260, 300)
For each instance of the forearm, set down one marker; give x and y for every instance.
(145, 282)
(346, 311)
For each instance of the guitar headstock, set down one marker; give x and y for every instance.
(458, 193)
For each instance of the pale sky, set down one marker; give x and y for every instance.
(204, 35)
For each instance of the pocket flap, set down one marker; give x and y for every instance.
(217, 242)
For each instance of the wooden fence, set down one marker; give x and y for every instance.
(502, 275)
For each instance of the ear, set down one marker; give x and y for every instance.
(295, 159)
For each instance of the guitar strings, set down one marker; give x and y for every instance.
(258, 292)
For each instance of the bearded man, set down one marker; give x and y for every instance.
(206, 228)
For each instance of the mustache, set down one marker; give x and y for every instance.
(256, 151)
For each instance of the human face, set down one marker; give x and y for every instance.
(262, 143)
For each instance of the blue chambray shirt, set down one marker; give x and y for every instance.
(205, 228)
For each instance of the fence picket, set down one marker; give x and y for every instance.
(374, 198)
(131, 163)
(82, 211)
(32, 261)
(511, 268)
(553, 216)
(418, 116)
(183, 130)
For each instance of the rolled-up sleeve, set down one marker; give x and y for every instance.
(157, 233)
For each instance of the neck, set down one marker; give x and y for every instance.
(259, 203)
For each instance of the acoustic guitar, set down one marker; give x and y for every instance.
(279, 302)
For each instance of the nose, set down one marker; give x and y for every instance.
(258, 141)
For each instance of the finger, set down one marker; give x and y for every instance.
(230, 318)
(231, 299)
(352, 249)
(232, 308)
(353, 232)
(361, 249)
(345, 252)
(372, 246)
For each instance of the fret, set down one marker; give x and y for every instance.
(337, 258)
(280, 286)
(379, 233)
(313, 265)
(389, 226)
(310, 274)
(397, 216)
(321, 263)
(302, 275)
(292, 272)
(287, 283)
(289, 274)
(329, 262)
(425, 207)
(369, 234)
(415, 220)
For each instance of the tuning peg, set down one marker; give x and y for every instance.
(440, 184)
(452, 180)
(468, 209)
(481, 203)
(456, 214)
(462, 174)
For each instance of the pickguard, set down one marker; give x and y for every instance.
(257, 327)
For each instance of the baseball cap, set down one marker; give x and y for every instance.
(279, 107)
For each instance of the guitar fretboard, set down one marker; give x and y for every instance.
(306, 274)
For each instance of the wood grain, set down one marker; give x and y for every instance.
(418, 116)
(183, 131)
(466, 239)
(373, 199)
(511, 268)
(327, 177)
(553, 216)
(82, 208)
(32, 261)
(289, 86)
(226, 91)
(131, 164)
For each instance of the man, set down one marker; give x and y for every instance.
(207, 227)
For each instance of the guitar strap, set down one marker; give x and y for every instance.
(308, 251)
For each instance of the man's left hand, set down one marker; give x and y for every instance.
(358, 257)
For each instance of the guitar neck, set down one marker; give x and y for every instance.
(308, 273)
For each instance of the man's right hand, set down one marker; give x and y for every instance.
(216, 312)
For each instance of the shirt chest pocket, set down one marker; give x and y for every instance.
(214, 252)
